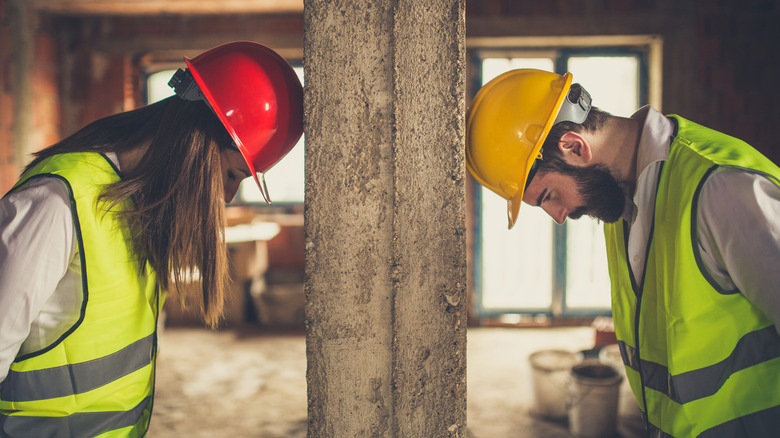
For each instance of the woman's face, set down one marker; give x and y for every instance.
(234, 170)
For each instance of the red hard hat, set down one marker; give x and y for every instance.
(257, 96)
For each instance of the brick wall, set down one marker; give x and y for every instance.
(85, 68)
(46, 123)
(719, 63)
(7, 168)
(37, 97)
(738, 44)
(718, 58)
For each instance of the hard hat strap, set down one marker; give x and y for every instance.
(532, 172)
(264, 189)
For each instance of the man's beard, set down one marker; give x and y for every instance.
(603, 197)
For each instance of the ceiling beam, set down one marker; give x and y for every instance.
(156, 7)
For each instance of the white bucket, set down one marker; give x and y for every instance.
(627, 404)
(595, 388)
(551, 377)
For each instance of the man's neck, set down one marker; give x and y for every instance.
(616, 147)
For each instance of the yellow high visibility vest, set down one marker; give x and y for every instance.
(97, 379)
(701, 361)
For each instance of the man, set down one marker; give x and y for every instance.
(692, 225)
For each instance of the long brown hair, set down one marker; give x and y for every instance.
(176, 188)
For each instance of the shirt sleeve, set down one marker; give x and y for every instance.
(37, 243)
(739, 234)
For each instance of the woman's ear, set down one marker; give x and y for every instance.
(575, 148)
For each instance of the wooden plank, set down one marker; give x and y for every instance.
(154, 7)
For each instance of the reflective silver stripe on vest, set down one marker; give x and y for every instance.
(79, 377)
(81, 424)
(761, 424)
(752, 349)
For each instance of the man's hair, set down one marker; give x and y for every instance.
(596, 119)
(177, 214)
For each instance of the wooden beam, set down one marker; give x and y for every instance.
(155, 7)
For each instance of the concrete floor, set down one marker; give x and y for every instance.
(250, 383)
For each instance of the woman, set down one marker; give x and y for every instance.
(102, 224)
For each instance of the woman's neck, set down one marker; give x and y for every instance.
(129, 159)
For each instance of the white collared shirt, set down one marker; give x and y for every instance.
(40, 273)
(738, 220)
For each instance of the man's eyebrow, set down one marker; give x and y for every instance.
(541, 197)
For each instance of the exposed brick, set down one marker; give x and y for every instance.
(708, 49)
(6, 74)
(45, 49)
(624, 6)
(6, 149)
(722, 77)
(733, 103)
(8, 176)
(6, 110)
(5, 40)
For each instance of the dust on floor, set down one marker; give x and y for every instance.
(252, 383)
(234, 383)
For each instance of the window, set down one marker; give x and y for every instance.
(539, 267)
(285, 180)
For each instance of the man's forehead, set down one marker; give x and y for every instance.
(535, 187)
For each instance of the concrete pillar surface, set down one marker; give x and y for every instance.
(385, 218)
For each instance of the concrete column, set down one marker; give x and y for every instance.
(385, 218)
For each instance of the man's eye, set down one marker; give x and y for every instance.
(231, 175)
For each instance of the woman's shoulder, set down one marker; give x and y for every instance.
(46, 193)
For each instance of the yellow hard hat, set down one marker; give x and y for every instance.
(506, 125)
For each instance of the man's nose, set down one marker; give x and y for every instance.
(557, 213)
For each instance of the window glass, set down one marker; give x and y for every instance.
(492, 67)
(157, 86)
(517, 265)
(612, 81)
(285, 180)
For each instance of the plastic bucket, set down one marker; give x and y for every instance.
(627, 404)
(595, 388)
(551, 371)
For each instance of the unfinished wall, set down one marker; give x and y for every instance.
(719, 56)
(718, 60)
(8, 171)
(29, 87)
(60, 72)
(384, 218)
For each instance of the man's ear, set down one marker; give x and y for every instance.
(575, 148)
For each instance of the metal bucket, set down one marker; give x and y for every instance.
(595, 388)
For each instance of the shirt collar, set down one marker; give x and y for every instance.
(654, 142)
(653, 147)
